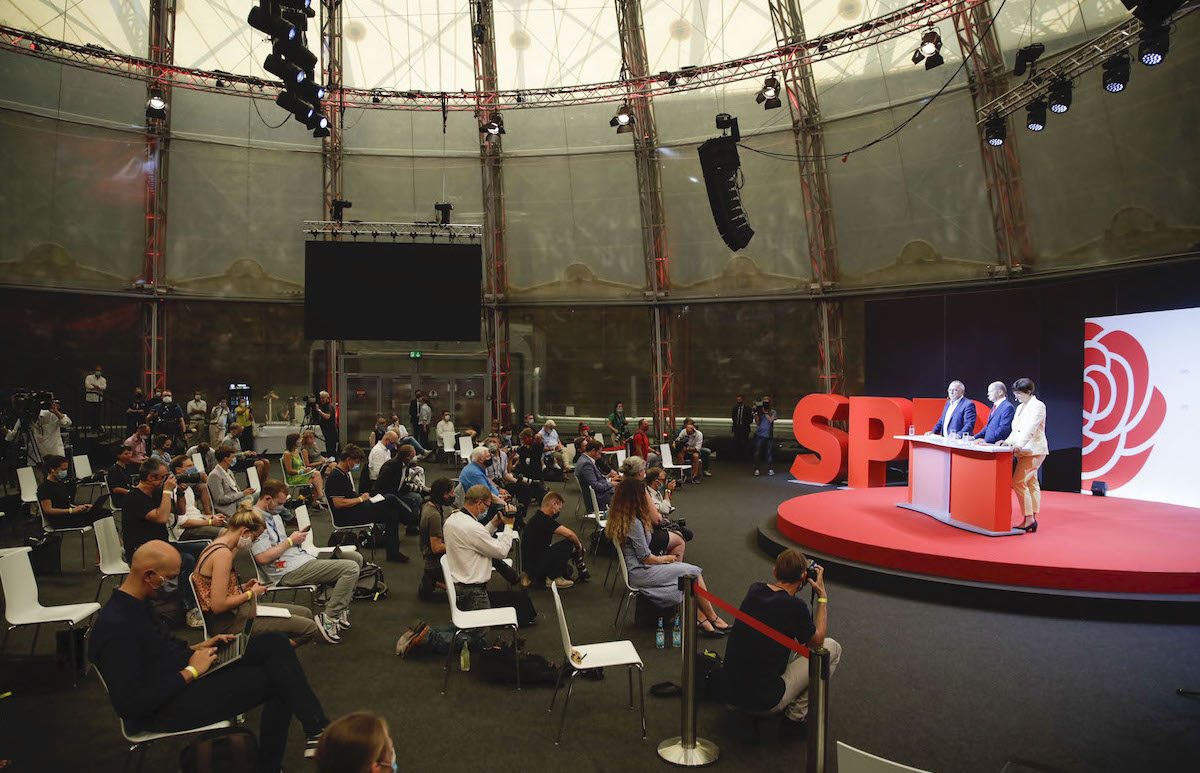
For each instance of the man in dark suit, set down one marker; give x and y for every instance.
(414, 410)
(958, 415)
(742, 418)
(999, 423)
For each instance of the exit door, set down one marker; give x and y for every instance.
(369, 396)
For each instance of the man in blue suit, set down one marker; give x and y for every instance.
(999, 423)
(959, 413)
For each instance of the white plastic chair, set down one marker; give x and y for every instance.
(111, 563)
(261, 573)
(28, 484)
(621, 454)
(29, 497)
(600, 438)
(82, 466)
(464, 449)
(623, 605)
(448, 449)
(599, 655)
(669, 463)
(87, 479)
(21, 606)
(476, 618)
(308, 545)
(140, 741)
(598, 516)
(851, 760)
(198, 460)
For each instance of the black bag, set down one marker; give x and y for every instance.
(526, 613)
(371, 586)
(347, 537)
(602, 545)
(498, 664)
(553, 474)
(709, 668)
(230, 750)
(45, 555)
(62, 647)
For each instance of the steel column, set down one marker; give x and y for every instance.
(331, 154)
(157, 162)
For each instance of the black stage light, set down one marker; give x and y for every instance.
(934, 60)
(310, 90)
(322, 132)
(1027, 56)
(156, 106)
(1156, 42)
(295, 53)
(299, 108)
(1116, 73)
(1152, 13)
(623, 120)
(1035, 118)
(317, 121)
(262, 19)
(995, 130)
(929, 50)
(494, 126)
(768, 95)
(283, 69)
(1060, 95)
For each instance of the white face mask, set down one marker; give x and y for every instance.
(166, 398)
(245, 541)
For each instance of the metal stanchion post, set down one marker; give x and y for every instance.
(818, 708)
(686, 749)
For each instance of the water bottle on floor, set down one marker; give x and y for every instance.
(464, 660)
(677, 634)
(660, 637)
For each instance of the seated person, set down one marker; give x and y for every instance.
(761, 674)
(190, 522)
(222, 486)
(552, 447)
(471, 546)
(120, 476)
(297, 473)
(433, 515)
(402, 476)
(523, 490)
(545, 562)
(227, 603)
(381, 452)
(405, 438)
(350, 508)
(529, 457)
(660, 490)
(206, 455)
(139, 443)
(286, 563)
(656, 577)
(161, 449)
(589, 475)
(641, 444)
(357, 743)
(380, 429)
(667, 537)
(245, 459)
(313, 460)
(55, 497)
(445, 427)
(152, 676)
(689, 445)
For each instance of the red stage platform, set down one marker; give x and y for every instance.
(1084, 543)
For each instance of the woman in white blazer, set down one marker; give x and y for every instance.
(1028, 441)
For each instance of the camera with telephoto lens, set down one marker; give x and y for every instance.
(190, 477)
(581, 565)
(811, 572)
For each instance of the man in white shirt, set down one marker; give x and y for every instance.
(690, 444)
(286, 563)
(218, 420)
(471, 547)
(380, 453)
(94, 386)
(552, 445)
(197, 415)
(424, 419)
(191, 522)
(47, 433)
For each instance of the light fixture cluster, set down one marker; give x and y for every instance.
(286, 22)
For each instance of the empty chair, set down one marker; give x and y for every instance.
(851, 760)
(596, 515)
(600, 438)
(621, 454)
(21, 606)
(584, 657)
(140, 741)
(474, 619)
(464, 449)
(448, 448)
(109, 543)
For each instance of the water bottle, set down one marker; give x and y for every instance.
(677, 635)
(464, 660)
(660, 638)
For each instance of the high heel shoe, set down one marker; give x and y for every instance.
(1030, 529)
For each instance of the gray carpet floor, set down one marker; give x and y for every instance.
(944, 686)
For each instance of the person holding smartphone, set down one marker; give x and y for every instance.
(762, 675)
(229, 604)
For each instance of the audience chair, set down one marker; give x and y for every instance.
(621, 454)
(198, 460)
(29, 497)
(464, 449)
(109, 544)
(85, 478)
(599, 655)
(600, 438)
(261, 573)
(475, 619)
(368, 527)
(139, 741)
(851, 760)
(596, 515)
(449, 453)
(21, 606)
(623, 606)
(308, 545)
(669, 463)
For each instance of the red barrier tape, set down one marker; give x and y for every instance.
(761, 627)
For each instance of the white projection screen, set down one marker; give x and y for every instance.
(1141, 405)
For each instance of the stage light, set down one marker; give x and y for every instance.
(317, 121)
(623, 120)
(929, 50)
(294, 52)
(283, 69)
(1116, 73)
(301, 110)
(934, 60)
(156, 106)
(1027, 56)
(1152, 13)
(261, 19)
(768, 95)
(1156, 42)
(1035, 118)
(310, 90)
(494, 126)
(322, 132)
(995, 131)
(1060, 95)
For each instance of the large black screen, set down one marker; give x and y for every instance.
(393, 292)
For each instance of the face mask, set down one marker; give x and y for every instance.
(61, 474)
(244, 542)
(355, 467)
(197, 397)
(99, 373)
(166, 398)
(393, 446)
(276, 509)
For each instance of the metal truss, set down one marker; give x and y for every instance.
(635, 68)
(157, 161)
(335, 104)
(1070, 64)
(334, 230)
(801, 88)
(987, 76)
(903, 21)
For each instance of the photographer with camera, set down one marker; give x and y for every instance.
(197, 416)
(166, 418)
(218, 421)
(760, 674)
(54, 496)
(192, 522)
(764, 434)
(524, 490)
(45, 427)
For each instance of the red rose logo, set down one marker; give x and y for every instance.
(1121, 411)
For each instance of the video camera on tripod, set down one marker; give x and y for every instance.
(27, 405)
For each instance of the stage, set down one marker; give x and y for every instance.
(1085, 545)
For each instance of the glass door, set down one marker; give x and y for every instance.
(440, 391)
(398, 396)
(361, 408)
(469, 404)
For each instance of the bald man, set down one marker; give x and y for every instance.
(999, 423)
(152, 676)
(958, 415)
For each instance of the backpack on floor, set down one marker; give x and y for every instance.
(498, 664)
(230, 750)
(371, 586)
